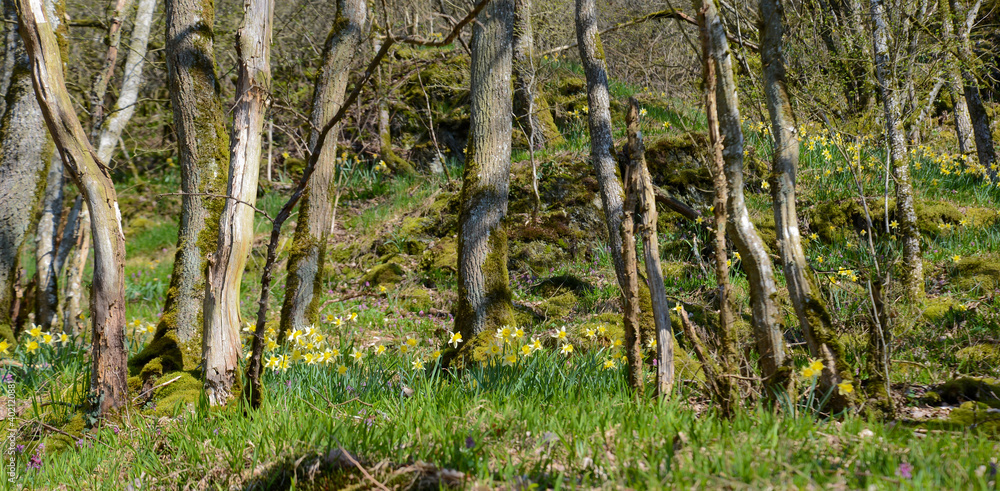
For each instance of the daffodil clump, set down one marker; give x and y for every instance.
(37, 342)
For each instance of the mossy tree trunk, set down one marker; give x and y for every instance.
(305, 263)
(630, 289)
(221, 346)
(107, 299)
(484, 295)
(528, 106)
(599, 123)
(842, 32)
(46, 246)
(913, 275)
(24, 162)
(977, 111)
(805, 295)
(203, 155)
(953, 79)
(756, 260)
(718, 375)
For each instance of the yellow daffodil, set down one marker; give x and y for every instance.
(509, 360)
(566, 349)
(379, 349)
(601, 330)
(609, 364)
(526, 350)
(536, 344)
(666, 124)
(590, 334)
(357, 355)
(455, 339)
(652, 343)
(518, 333)
(816, 365)
(436, 354)
(813, 236)
(35, 331)
(381, 289)
(329, 318)
(560, 334)
(3, 347)
(808, 373)
(845, 388)
(404, 348)
(617, 342)
(956, 258)
(494, 349)
(32, 346)
(273, 362)
(341, 370)
(678, 308)
(47, 338)
(295, 335)
(417, 365)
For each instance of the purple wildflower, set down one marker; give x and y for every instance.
(905, 470)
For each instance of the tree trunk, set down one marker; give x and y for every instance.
(985, 149)
(107, 299)
(305, 262)
(221, 347)
(393, 161)
(630, 290)
(73, 293)
(641, 185)
(718, 375)
(599, 122)
(46, 247)
(953, 79)
(530, 110)
(203, 155)
(484, 295)
(100, 87)
(755, 257)
(26, 154)
(806, 297)
(913, 276)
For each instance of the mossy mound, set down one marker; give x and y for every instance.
(973, 273)
(384, 274)
(7, 334)
(979, 357)
(936, 309)
(416, 299)
(442, 255)
(676, 164)
(559, 306)
(537, 255)
(550, 286)
(169, 399)
(976, 415)
(964, 389)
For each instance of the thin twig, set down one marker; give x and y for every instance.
(360, 468)
(149, 390)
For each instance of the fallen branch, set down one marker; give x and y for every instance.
(151, 389)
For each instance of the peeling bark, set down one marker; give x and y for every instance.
(221, 346)
(109, 373)
(305, 263)
(484, 295)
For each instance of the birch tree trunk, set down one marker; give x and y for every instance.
(756, 261)
(530, 110)
(46, 241)
(985, 149)
(221, 346)
(27, 152)
(203, 156)
(806, 297)
(599, 123)
(107, 299)
(305, 262)
(913, 276)
(953, 79)
(484, 295)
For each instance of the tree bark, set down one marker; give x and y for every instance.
(599, 122)
(641, 185)
(756, 260)
(108, 379)
(46, 247)
(913, 276)
(221, 346)
(305, 262)
(203, 155)
(805, 294)
(26, 154)
(73, 293)
(484, 295)
(528, 106)
(630, 289)
(985, 149)
(953, 79)
(718, 375)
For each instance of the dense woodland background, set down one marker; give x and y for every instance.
(423, 286)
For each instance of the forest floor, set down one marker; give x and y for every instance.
(360, 400)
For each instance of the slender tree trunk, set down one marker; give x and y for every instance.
(221, 347)
(805, 294)
(203, 155)
(528, 106)
(116, 16)
(305, 263)
(718, 375)
(913, 276)
(73, 293)
(484, 295)
(640, 184)
(755, 258)
(912, 37)
(953, 79)
(630, 290)
(46, 247)
(107, 299)
(393, 161)
(27, 152)
(599, 122)
(977, 111)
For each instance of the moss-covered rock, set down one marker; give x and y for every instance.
(538, 255)
(559, 306)
(937, 308)
(972, 273)
(676, 164)
(979, 357)
(981, 417)
(416, 299)
(441, 256)
(550, 286)
(384, 274)
(963, 389)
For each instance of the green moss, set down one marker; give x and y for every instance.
(442, 256)
(936, 309)
(963, 389)
(186, 390)
(559, 306)
(416, 299)
(976, 415)
(973, 273)
(979, 357)
(384, 274)
(57, 442)
(7, 334)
